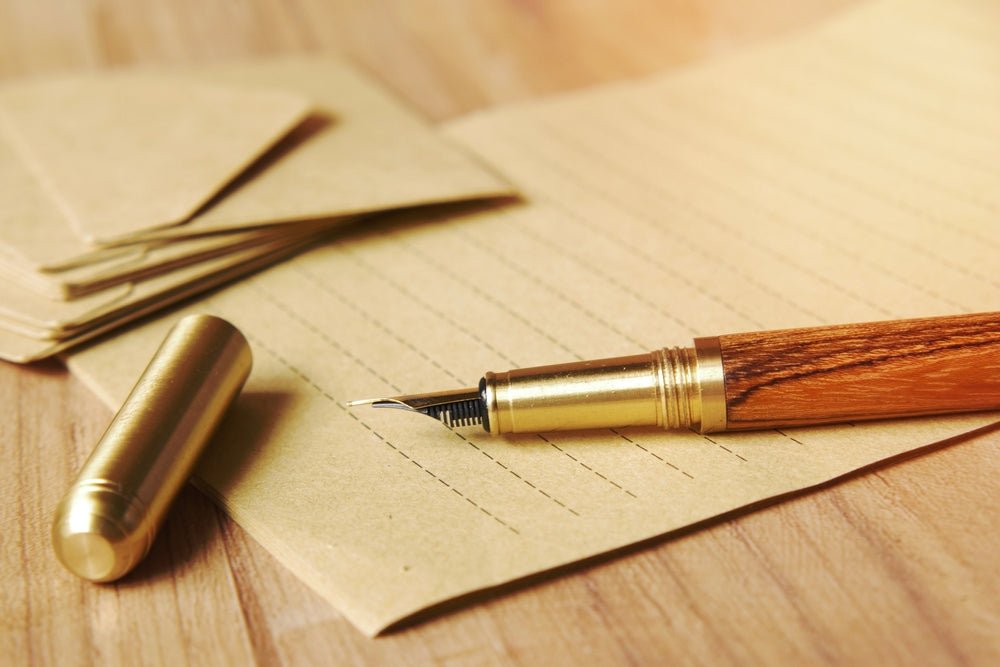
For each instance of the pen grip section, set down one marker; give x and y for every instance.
(862, 371)
(654, 389)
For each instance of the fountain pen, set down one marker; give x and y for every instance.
(772, 379)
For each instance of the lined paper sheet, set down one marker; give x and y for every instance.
(838, 177)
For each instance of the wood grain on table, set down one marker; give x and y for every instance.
(896, 566)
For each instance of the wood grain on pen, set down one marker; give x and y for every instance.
(862, 371)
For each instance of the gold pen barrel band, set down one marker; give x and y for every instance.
(671, 388)
(711, 384)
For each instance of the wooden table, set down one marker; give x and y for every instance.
(893, 566)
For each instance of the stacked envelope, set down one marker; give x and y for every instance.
(121, 193)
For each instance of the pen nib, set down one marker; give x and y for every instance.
(452, 408)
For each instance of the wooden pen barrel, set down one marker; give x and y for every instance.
(862, 371)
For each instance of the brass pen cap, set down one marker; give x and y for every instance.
(106, 522)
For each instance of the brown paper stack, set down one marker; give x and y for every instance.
(125, 192)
